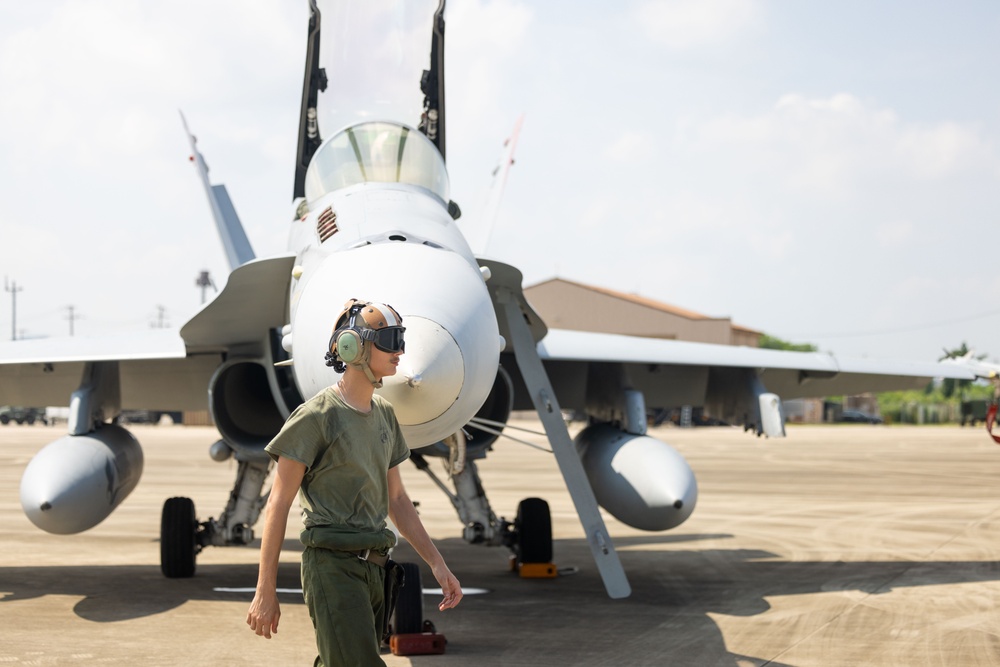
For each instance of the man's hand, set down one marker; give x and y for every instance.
(264, 614)
(450, 586)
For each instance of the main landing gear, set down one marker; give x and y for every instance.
(529, 537)
(410, 634)
(178, 538)
(182, 536)
(532, 544)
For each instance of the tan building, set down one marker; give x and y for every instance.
(564, 304)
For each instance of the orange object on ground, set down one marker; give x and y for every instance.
(538, 570)
(422, 643)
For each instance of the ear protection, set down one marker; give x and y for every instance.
(346, 344)
(349, 344)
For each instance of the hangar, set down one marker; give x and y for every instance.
(565, 304)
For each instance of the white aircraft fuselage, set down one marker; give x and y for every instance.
(394, 242)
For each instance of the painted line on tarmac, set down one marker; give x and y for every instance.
(298, 591)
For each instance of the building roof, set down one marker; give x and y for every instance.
(643, 301)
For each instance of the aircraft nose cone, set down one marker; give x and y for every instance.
(430, 375)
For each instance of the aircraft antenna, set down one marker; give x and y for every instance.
(314, 83)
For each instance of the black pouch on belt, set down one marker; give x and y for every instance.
(393, 582)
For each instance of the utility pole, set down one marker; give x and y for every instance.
(72, 317)
(160, 322)
(13, 289)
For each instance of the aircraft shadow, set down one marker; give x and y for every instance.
(568, 620)
(114, 593)
(667, 619)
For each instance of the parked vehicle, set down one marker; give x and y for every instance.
(148, 417)
(858, 417)
(13, 413)
(974, 411)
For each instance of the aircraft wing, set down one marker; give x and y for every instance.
(162, 369)
(788, 374)
(676, 373)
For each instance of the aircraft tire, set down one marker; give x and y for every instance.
(178, 538)
(534, 531)
(408, 618)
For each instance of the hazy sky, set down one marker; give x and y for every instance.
(823, 172)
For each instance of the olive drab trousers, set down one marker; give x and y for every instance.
(345, 598)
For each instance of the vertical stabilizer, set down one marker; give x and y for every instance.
(234, 239)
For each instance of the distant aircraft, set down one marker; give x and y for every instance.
(372, 217)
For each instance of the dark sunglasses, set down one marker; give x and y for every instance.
(388, 339)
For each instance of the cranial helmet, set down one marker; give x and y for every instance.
(360, 325)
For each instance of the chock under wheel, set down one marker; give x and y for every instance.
(429, 642)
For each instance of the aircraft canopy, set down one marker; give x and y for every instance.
(376, 152)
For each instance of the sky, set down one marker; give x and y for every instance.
(826, 173)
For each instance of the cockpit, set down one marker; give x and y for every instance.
(376, 152)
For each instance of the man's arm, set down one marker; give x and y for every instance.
(264, 611)
(404, 516)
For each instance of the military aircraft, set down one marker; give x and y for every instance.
(372, 218)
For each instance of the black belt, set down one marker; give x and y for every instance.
(371, 556)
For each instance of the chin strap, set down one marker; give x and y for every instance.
(371, 376)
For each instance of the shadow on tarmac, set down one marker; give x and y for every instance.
(568, 620)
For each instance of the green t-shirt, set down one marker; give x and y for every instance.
(346, 454)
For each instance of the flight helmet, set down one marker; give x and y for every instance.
(360, 325)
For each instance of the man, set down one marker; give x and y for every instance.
(340, 451)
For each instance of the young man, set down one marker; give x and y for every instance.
(339, 452)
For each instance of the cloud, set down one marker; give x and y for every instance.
(487, 35)
(630, 147)
(839, 145)
(894, 234)
(685, 24)
(82, 77)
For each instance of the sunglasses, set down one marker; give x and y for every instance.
(388, 339)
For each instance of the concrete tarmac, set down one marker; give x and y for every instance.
(847, 545)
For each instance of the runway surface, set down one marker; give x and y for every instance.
(848, 545)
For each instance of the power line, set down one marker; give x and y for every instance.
(898, 330)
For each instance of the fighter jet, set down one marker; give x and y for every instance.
(372, 217)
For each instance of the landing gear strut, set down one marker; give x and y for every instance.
(182, 537)
(529, 537)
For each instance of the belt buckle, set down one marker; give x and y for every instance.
(363, 555)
